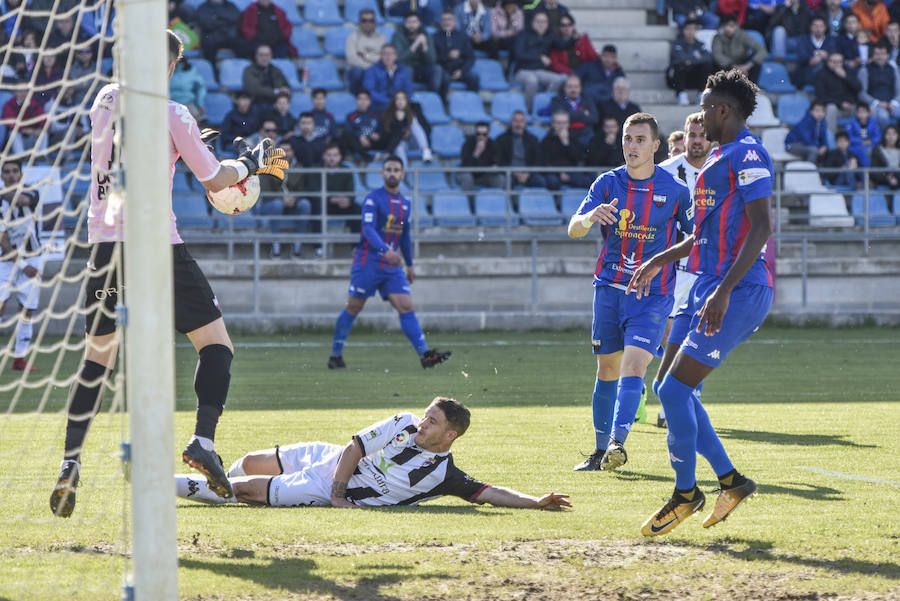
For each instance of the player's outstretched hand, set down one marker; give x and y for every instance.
(642, 278)
(208, 135)
(342, 503)
(554, 502)
(713, 312)
(263, 158)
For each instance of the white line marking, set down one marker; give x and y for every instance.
(819, 470)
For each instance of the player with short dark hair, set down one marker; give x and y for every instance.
(376, 267)
(197, 311)
(729, 300)
(637, 206)
(402, 460)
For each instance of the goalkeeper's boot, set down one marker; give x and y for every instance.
(20, 364)
(661, 419)
(677, 509)
(640, 416)
(433, 356)
(210, 464)
(615, 457)
(336, 362)
(62, 499)
(592, 463)
(729, 498)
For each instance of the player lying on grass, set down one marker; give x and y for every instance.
(402, 460)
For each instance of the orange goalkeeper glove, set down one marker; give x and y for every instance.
(263, 158)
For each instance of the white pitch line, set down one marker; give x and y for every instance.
(824, 472)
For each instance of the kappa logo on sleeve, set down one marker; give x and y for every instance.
(748, 176)
(751, 155)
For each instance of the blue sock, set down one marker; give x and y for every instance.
(677, 400)
(708, 443)
(627, 401)
(603, 403)
(342, 328)
(410, 326)
(655, 386)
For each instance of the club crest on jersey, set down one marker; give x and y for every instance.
(751, 155)
(659, 199)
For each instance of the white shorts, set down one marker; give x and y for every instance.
(14, 280)
(308, 471)
(684, 281)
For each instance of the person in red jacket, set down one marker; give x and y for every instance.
(566, 61)
(264, 23)
(15, 110)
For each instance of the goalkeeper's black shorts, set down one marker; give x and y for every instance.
(195, 303)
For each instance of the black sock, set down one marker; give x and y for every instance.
(84, 403)
(731, 479)
(211, 385)
(687, 495)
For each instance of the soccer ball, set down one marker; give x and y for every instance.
(236, 199)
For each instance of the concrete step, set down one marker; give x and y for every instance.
(670, 116)
(643, 55)
(610, 34)
(644, 96)
(581, 6)
(647, 80)
(625, 17)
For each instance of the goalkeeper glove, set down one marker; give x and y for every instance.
(208, 135)
(263, 158)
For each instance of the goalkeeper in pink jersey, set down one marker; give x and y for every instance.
(197, 312)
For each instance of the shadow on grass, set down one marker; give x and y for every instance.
(425, 508)
(790, 438)
(814, 492)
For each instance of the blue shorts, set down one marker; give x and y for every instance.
(365, 280)
(747, 309)
(621, 319)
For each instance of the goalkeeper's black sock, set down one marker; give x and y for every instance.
(83, 406)
(211, 382)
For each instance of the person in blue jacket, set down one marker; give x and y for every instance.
(808, 139)
(864, 134)
(385, 78)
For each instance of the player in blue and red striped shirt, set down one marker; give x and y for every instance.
(729, 300)
(377, 267)
(637, 207)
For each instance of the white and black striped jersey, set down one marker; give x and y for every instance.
(395, 471)
(21, 223)
(683, 170)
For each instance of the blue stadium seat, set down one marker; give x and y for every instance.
(231, 73)
(570, 202)
(387, 30)
(429, 181)
(106, 66)
(447, 141)
(467, 107)
(206, 72)
(424, 217)
(323, 74)
(537, 207)
(242, 4)
(540, 106)
(432, 107)
(306, 42)
(352, 8)
(497, 130)
(505, 103)
(322, 12)
(291, 10)
(879, 216)
(792, 108)
(490, 75)
(340, 104)
(452, 210)
(336, 41)
(537, 131)
(774, 78)
(286, 66)
(5, 96)
(374, 180)
(217, 106)
(300, 103)
(490, 209)
(757, 36)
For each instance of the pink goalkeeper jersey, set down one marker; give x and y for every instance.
(105, 215)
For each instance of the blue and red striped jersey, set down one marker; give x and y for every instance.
(733, 175)
(648, 212)
(385, 226)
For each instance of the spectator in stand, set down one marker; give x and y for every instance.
(581, 110)
(179, 9)
(787, 26)
(263, 80)
(20, 23)
(833, 12)
(690, 63)
(474, 20)
(675, 143)
(864, 134)
(15, 110)
(693, 10)
(847, 44)
(325, 126)
(758, 14)
(620, 106)
(873, 16)
(263, 23)
(242, 120)
(808, 139)
(360, 126)
(362, 48)
(338, 193)
(733, 47)
(532, 56)
(837, 86)
(218, 21)
(552, 8)
(46, 7)
(880, 86)
(268, 128)
(507, 21)
(63, 35)
(581, 52)
(892, 37)
(887, 155)
(425, 9)
(401, 122)
(307, 147)
(597, 77)
(49, 74)
(62, 115)
(85, 64)
(454, 53)
(26, 56)
(282, 198)
(560, 149)
(517, 147)
(416, 51)
(605, 148)
(813, 51)
(188, 87)
(385, 78)
(479, 151)
(864, 46)
(841, 157)
(281, 115)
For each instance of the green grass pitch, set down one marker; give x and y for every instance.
(812, 415)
